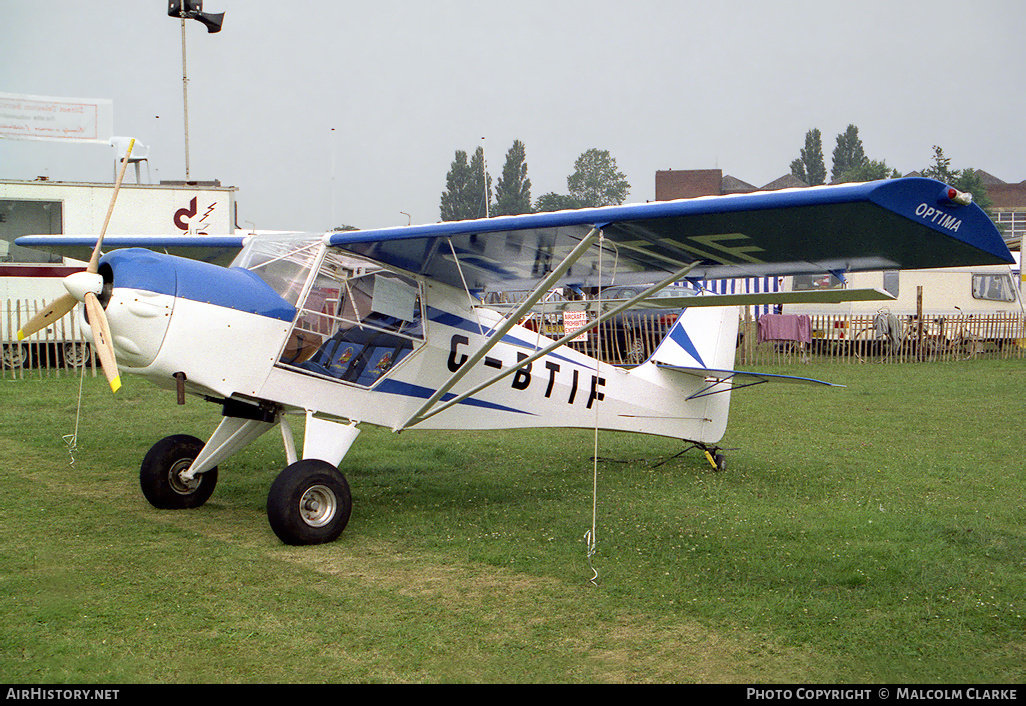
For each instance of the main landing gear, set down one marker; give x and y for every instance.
(308, 503)
(161, 474)
(713, 454)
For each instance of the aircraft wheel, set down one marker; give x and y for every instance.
(716, 459)
(160, 474)
(309, 503)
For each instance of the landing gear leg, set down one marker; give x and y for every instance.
(716, 458)
(180, 471)
(309, 502)
(713, 454)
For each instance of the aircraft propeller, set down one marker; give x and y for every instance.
(85, 287)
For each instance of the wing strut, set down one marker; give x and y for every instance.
(538, 292)
(423, 413)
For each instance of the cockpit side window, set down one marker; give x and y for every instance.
(355, 326)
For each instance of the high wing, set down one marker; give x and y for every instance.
(892, 224)
(216, 249)
(905, 223)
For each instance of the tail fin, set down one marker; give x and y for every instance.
(700, 345)
(702, 337)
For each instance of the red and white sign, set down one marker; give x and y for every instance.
(575, 321)
(25, 117)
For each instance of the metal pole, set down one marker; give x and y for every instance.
(484, 174)
(496, 335)
(423, 413)
(185, 96)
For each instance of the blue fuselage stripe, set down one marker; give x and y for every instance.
(446, 318)
(406, 389)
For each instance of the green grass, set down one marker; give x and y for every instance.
(868, 534)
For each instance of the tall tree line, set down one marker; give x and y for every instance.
(468, 189)
(595, 181)
(850, 164)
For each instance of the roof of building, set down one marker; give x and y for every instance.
(788, 181)
(689, 183)
(733, 185)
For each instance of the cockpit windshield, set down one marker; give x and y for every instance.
(283, 262)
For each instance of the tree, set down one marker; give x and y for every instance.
(513, 189)
(810, 168)
(869, 170)
(468, 189)
(555, 202)
(596, 180)
(966, 180)
(480, 186)
(848, 154)
(457, 203)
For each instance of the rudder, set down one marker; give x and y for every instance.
(704, 337)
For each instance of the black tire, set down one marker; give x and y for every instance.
(159, 474)
(75, 354)
(14, 355)
(309, 503)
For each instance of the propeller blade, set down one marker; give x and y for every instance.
(62, 305)
(103, 340)
(94, 261)
(57, 308)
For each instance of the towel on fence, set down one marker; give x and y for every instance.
(888, 326)
(785, 327)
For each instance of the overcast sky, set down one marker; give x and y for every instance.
(327, 112)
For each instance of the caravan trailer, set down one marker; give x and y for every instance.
(989, 289)
(956, 311)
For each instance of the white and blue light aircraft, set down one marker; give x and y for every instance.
(387, 327)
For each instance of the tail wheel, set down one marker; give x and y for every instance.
(309, 503)
(161, 474)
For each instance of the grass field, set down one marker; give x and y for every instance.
(869, 534)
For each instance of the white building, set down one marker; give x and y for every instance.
(29, 279)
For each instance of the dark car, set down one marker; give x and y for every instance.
(629, 338)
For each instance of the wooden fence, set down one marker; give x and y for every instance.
(62, 348)
(835, 338)
(56, 350)
(885, 338)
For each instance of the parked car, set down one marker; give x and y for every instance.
(631, 336)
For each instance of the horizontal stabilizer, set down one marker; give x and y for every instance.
(816, 296)
(738, 379)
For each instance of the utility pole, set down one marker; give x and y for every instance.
(484, 176)
(185, 93)
(191, 10)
